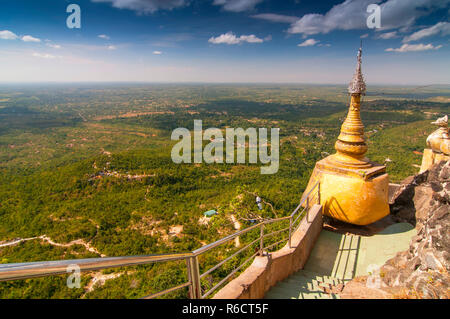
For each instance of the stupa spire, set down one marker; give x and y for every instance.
(351, 144)
(357, 85)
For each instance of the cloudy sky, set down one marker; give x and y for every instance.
(306, 41)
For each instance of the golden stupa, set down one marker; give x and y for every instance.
(438, 145)
(352, 188)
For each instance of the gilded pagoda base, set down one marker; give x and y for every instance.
(357, 196)
(429, 158)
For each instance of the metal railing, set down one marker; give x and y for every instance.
(18, 271)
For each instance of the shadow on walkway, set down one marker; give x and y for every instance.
(337, 258)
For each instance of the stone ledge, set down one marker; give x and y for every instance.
(266, 271)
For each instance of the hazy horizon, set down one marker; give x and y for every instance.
(130, 83)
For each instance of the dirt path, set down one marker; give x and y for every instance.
(73, 242)
(99, 279)
(81, 242)
(15, 241)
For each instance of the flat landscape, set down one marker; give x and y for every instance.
(87, 171)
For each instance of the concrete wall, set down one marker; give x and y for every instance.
(266, 271)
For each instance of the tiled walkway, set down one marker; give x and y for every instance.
(337, 258)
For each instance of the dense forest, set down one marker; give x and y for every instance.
(86, 171)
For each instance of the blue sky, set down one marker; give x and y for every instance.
(301, 41)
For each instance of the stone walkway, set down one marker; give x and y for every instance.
(338, 258)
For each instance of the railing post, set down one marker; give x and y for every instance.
(195, 289)
(307, 209)
(290, 231)
(261, 239)
(318, 193)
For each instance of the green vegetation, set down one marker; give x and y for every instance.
(90, 166)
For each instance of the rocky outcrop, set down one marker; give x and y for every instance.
(423, 270)
(412, 196)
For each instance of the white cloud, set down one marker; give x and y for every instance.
(441, 27)
(157, 52)
(230, 38)
(251, 39)
(388, 35)
(44, 55)
(29, 38)
(7, 35)
(111, 47)
(275, 17)
(54, 46)
(146, 6)
(414, 47)
(352, 15)
(237, 5)
(104, 36)
(308, 43)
